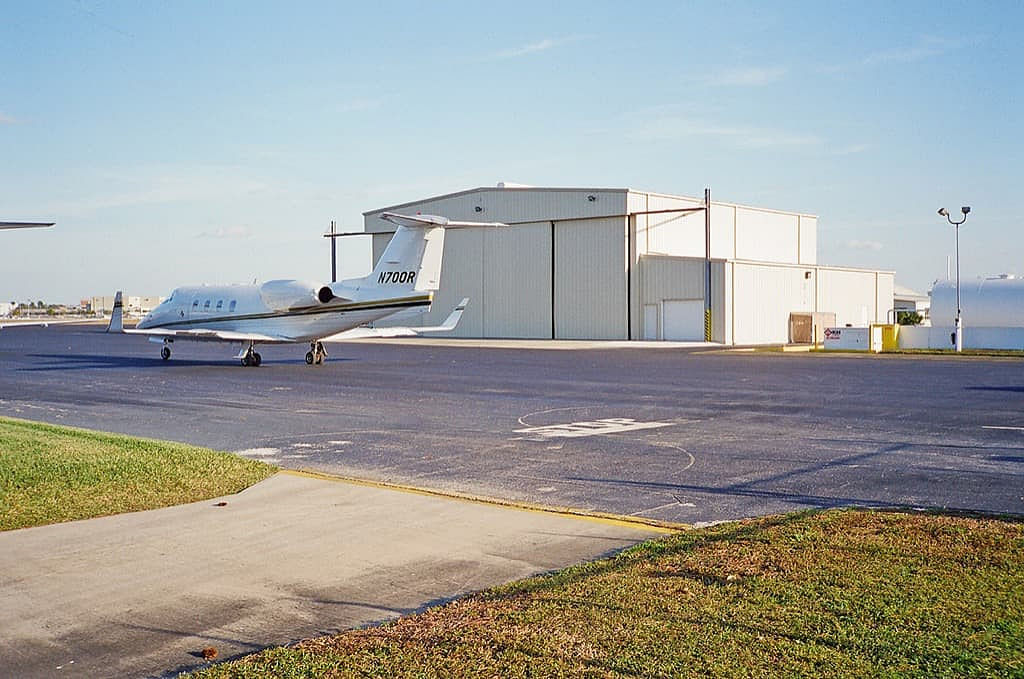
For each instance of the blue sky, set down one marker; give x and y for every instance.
(191, 142)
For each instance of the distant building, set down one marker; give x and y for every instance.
(905, 299)
(133, 304)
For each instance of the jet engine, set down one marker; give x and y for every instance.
(288, 294)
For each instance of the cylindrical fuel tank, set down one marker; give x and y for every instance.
(992, 302)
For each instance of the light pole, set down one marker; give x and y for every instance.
(956, 227)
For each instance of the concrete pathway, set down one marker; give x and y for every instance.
(292, 557)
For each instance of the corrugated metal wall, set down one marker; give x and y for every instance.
(808, 240)
(767, 236)
(679, 278)
(764, 296)
(590, 279)
(517, 281)
(507, 272)
(850, 294)
(884, 293)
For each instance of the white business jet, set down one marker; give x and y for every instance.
(291, 311)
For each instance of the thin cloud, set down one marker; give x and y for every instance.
(355, 105)
(850, 150)
(677, 128)
(872, 245)
(924, 48)
(900, 55)
(157, 184)
(535, 47)
(748, 77)
(232, 232)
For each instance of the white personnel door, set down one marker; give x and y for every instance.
(683, 319)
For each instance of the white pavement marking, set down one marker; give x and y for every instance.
(258, 452)
(611, 425)
(993, 426)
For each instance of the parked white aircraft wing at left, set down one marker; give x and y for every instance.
(292, 311)
(27, 324)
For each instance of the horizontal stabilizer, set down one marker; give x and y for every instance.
(364, 332)
(431, 221)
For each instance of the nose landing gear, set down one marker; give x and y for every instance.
(316, 354)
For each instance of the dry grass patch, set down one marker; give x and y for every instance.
(830, 594)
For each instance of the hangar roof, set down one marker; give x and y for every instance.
(505, 186)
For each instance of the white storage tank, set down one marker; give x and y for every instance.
(993, 302)
(992, 310)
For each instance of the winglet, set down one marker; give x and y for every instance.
(116, 316)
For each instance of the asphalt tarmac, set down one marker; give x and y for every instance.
(668, 433)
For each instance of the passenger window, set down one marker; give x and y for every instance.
(195, 305)
(231, 307)
(206, 305)
(220, 303)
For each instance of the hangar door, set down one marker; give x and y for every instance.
(590, 283)
(683, 319)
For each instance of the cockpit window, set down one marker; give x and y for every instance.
(206, 305)
(231, 307)
(195, 304)
(220, 304)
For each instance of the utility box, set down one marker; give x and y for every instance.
(888, 337)
(856, 339)
(808, 327)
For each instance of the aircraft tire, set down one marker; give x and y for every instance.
(257, 359)
(309, 358)
(245, 361)
(165, 353)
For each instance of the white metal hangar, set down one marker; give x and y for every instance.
(582, 263)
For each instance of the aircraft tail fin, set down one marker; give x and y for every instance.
(116, 316)
(411, 262)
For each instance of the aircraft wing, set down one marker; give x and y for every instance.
(208, 335)
(364, 332)
(28, 324)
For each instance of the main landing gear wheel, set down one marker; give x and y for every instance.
(316, 354)
(165, 353)
(252, 357)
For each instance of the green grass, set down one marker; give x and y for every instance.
(830, 594)
(949, 353)
(50, 474)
